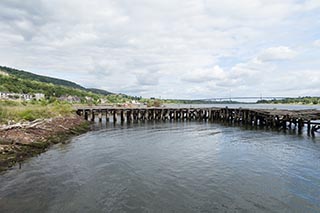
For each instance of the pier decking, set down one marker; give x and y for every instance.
(269, 118)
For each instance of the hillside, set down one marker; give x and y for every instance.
(99, 91)
(25, 77)
(27, 86)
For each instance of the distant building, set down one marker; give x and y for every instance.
(15, 96)
(3, 73)
(88, 98)
(3, 95)
(70, 99)
(38, 96)
(104, 101)
(26, 97)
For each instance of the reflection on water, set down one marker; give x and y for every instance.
(170, 167)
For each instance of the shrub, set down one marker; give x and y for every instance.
(28, 115)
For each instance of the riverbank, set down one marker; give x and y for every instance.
(21, 141)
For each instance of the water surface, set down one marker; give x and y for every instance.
(170, 167)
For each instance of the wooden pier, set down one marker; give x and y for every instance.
(268, 118)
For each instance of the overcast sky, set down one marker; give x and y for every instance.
(168, 48)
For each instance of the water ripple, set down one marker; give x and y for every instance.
(169, 167)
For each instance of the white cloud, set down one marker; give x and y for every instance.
(311, 4)
(153, 48)
(147, 78)
(204, 75)
(317, 43)
(277, 53)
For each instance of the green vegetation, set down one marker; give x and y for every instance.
(15, 111)
(98, 91)
(33, 77)
(18, 81)
(19, 85)
(300, 100)
(154, 103)
(118, 98)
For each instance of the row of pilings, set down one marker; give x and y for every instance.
(230, 115)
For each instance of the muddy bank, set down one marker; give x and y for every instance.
(21, 141)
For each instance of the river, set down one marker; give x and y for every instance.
(170, 167)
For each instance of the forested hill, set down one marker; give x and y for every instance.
(98, 91)
(45, 79)
(30, 76)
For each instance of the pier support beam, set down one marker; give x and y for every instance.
(107, 116)
(92, 115)
(114, 116)
(100, 116)
(86, 116)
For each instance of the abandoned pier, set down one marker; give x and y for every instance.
(267, 118)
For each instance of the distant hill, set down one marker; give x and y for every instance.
(28, 75)
(99, 91)
(21, 74)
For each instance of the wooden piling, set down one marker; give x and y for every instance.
(114, 116)
(92, 115)
(100, 116)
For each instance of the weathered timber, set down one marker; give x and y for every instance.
(266, 118)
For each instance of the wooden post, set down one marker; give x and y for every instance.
(132, 115)
(114, 116)
(313, 129)
(100, 116)
(284, 124)
(86, 116)
(160, 114)
(92, 115)
(107, 116)
(128, 116)
(295, 123)
(277, 121)
(142, 114)
(255, 118)
(186, 116)
(290, 123)
(122, 116)
(246, 117)
(147, 114)
(300, 125)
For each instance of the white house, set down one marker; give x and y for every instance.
(15, 96)
(38, 96)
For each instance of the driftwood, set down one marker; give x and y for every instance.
(26, 125)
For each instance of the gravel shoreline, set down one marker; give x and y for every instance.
(21, 141)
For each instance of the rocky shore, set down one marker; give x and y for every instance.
(24, 140)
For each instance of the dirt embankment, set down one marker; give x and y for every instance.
(21, 141)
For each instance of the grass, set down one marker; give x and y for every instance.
(16, 111)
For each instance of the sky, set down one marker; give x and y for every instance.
(187, 49)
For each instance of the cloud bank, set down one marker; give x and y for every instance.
(172, 49)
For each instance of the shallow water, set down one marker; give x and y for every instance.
(170, 167)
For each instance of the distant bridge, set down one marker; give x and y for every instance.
(245, 98)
